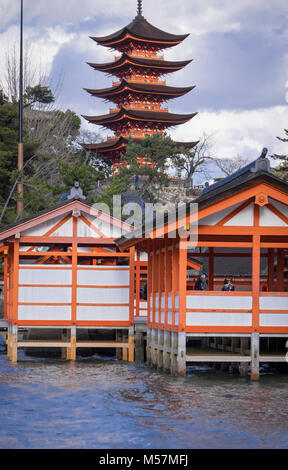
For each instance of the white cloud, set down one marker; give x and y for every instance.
(235, 133)
(40, 48)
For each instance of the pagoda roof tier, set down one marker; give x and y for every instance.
(119, 143)
(126, 61)
(140, 30)
(168, 92)
(159, 117)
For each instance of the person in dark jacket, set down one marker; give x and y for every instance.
(202, 282)
(144, 291)
(228, 286)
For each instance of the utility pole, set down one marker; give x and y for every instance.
(20, 188)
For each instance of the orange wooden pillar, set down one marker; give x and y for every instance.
(131, 305)
(255, 342)
(12, 345)
(181, 355)
(5, 306)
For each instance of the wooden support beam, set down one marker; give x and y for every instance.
(125, 350)
(131, 347)
(255, 281)
(14, 343)
(243, 369)
(255, 351)
(181, 354)
(73, 344)
(119, 340)
(166, 347)
(160, 344)
(148, 346)
(174, 346)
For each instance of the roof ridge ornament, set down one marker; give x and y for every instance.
(139, 8)
(262, 163)
(76, 192)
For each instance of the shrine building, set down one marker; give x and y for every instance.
(242, 235)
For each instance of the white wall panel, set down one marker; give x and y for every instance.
(45, 276)
(45, 294)
(83, 230)
(91, 313)
(46, 313)
(218, 319)
(42, 228)
(103, 296)
(245, 218)
(106, 228)
(176, 318)
(281, 207)
(176, 301)
(274, 319)
(274, 303)
(219, 301)
(269, 219)
(213, 219)
(66, 230)
(103, 277)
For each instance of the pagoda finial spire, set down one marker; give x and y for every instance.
(139, 10)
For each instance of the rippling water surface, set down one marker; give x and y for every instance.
(98, 403)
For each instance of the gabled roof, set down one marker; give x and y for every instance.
(61, 209)
(248, 177)
(140, 88)
(163, 66)
(169, 119)
(141, 29)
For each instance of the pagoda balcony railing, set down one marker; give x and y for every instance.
(140, 133)
(140, 107)
(142, 56)
(141, 80)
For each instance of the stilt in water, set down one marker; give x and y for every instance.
(255, 356)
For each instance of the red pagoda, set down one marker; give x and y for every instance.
(140, 91)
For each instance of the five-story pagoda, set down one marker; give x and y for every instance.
(140, 91)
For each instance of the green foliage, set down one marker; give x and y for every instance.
(79, 171)
(49, 138)
(38, 94)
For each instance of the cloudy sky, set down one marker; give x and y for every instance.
(239, 52)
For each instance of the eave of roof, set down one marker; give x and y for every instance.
(121, 142)
(140, 28)
(244, 181)
(19, 226)
(147, 116)
(140, 88)
(139, 62)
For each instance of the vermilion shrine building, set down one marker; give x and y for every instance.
(245, 216)
(63, 270)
